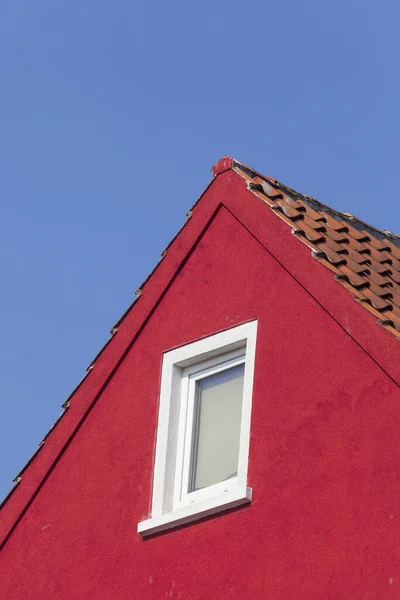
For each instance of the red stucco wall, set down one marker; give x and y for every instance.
(324, 458)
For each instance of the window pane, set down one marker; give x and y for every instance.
(216, 428)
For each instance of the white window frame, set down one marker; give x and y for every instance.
(181, 368)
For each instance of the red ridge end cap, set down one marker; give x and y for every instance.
(224, 164)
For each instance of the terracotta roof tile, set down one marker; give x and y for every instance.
(289, 211)
(313, 235)
(395, 312)
(376, 278)
(337, 225)
(394, 249)
(363, 259)
(337, 236)
(394, 276)
(359, 235)
(339, 248)
(379, 244)
(348, 275)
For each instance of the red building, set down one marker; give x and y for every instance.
(238, 437)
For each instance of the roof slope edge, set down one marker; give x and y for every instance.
(85, 395)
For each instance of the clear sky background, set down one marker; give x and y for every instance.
(112, 114)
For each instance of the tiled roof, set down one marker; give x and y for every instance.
(364, 260)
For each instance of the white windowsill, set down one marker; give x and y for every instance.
(194, 512)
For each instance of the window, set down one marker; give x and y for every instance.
(203, 429)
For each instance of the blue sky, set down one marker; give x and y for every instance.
(112, 114)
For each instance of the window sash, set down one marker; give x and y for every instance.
(190, 377)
